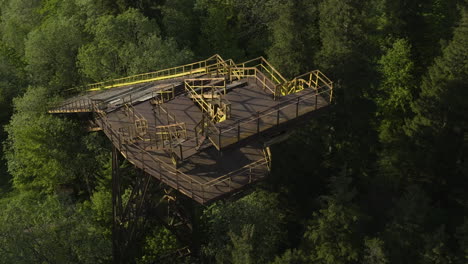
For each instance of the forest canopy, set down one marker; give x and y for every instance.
(381, 178)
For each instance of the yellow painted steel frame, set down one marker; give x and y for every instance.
(209, 65)
(314, 79)
(264, 66)
(216, 65)
(224, 110)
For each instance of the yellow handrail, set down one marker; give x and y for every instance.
(262, 63)
(314, 79)
(191, 84)
(178, 71)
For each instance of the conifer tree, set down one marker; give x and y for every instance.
(441, 111)
(295, 36)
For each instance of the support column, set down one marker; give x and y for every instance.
(117, 250)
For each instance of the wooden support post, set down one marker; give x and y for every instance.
(275, 92)
(316, 95)
(203, 124)
(160, 170)
(117, 243)
(181, 152)
(258, 122)
(202, 188)
(219, 138)
(297, 107)
(238, 131)
(277, 115)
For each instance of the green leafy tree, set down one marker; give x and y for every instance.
(158, 245)
(291, 257)
(441, 112)
(12, 79)
(220, 29)
(34, 229)
(437, 248)
(18, 18)
(241, 249)
(180, 22)
(462, 239)
(333, 235)
(287, 50)
(345, 58)
(342, 53)
(396, 93)
(374, 251)
(423, 23)
(295, 36)
(403, 234)
(44, 152)
(127, 44)
(251, 225)
(234, 29)
(51, 52)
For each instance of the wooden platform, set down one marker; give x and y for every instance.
(203, 165)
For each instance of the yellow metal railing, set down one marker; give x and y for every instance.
(187, 184)
(197, 89)
(260, 68)
(266, 68)
(201, 67)
(314, 79)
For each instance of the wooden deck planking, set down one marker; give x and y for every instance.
(205, 174)
(254, 110)
(201, 168)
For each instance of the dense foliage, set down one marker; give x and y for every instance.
(381, 178)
